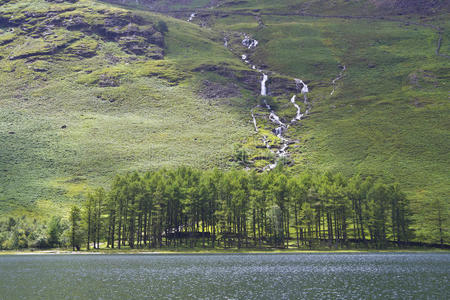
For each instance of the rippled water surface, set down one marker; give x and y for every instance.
(239, 276)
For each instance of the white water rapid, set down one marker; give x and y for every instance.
(282, 152)
(304, 88)
(249, 43)
(275, 119)
(244, 58)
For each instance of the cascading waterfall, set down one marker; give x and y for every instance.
(273, 117)
(191, 17)
(266, 142)
(299, 115)
(263, 85)
(254, 122)
(340, 76)
(283, 150)
(303, 88)
(270, 167)
(249, 43)
(244, 58)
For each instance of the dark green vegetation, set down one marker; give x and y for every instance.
(187, 208)
(242, 209)
(21, 233)
(88, 89)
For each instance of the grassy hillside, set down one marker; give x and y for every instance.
(389, 115)
(188, 100)
(72, 117)
(324, 7)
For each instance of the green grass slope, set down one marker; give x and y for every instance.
(78, 106)
(389, 115)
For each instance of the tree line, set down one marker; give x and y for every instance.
(192, 208)
(23, 232)
(189, 208)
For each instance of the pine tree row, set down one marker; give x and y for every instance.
(191, 208)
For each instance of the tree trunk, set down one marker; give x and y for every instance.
(296, 224)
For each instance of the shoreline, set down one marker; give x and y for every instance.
(212, 252)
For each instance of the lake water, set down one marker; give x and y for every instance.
(238, 276)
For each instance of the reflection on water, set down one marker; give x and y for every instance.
(252, 276)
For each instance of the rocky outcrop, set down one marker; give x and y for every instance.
(215, 90)
(282, 86)
(57, 29)
(250, 79)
